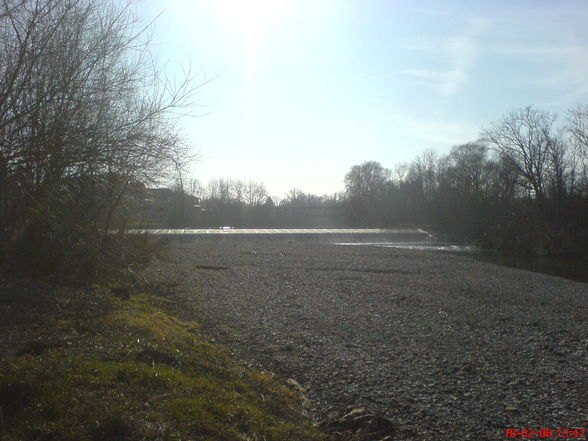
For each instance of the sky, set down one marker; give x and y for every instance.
(297, 92)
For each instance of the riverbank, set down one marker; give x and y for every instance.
(443, 346)
(114, 363)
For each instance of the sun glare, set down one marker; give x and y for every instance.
(251, 22)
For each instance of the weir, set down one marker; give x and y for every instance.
(298, 234)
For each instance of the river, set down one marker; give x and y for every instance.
(567, 267)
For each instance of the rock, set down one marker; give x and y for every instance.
(295, 386)
(299, 390)
(358, 424)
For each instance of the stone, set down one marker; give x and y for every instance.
(358, 424)
(299, 390)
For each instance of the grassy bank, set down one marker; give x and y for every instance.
(115, 364)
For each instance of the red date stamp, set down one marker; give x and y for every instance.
(574, 433)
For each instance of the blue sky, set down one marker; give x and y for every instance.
(304, 90)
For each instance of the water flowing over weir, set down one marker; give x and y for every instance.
(329, 235)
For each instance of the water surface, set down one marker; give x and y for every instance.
(568, 267)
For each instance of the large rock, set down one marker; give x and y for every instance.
(358, 424)
(298, 389)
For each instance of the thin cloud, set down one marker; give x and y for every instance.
(582, 90)
(431, 12)
(436, 132)
(424, 77)
(532, 50)
(462, 51)
(566, 65)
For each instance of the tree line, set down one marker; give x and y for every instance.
(239, 203)
(523, 187)
(252, 193)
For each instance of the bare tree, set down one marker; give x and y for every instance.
(84, 113)
(560, 170)
(577, 131)
(220, 189)
(467, 168)
(195, 188)
(366, 181)
(401, 171)
(256, 193)
(501, 181)
(238, 189)
(225, 190)
(212, 190)
(424, 171)
(524, 138)
(295, 196)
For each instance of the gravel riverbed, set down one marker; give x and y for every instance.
(445, 347)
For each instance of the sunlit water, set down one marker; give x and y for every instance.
(570, 268)
(424, 246)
